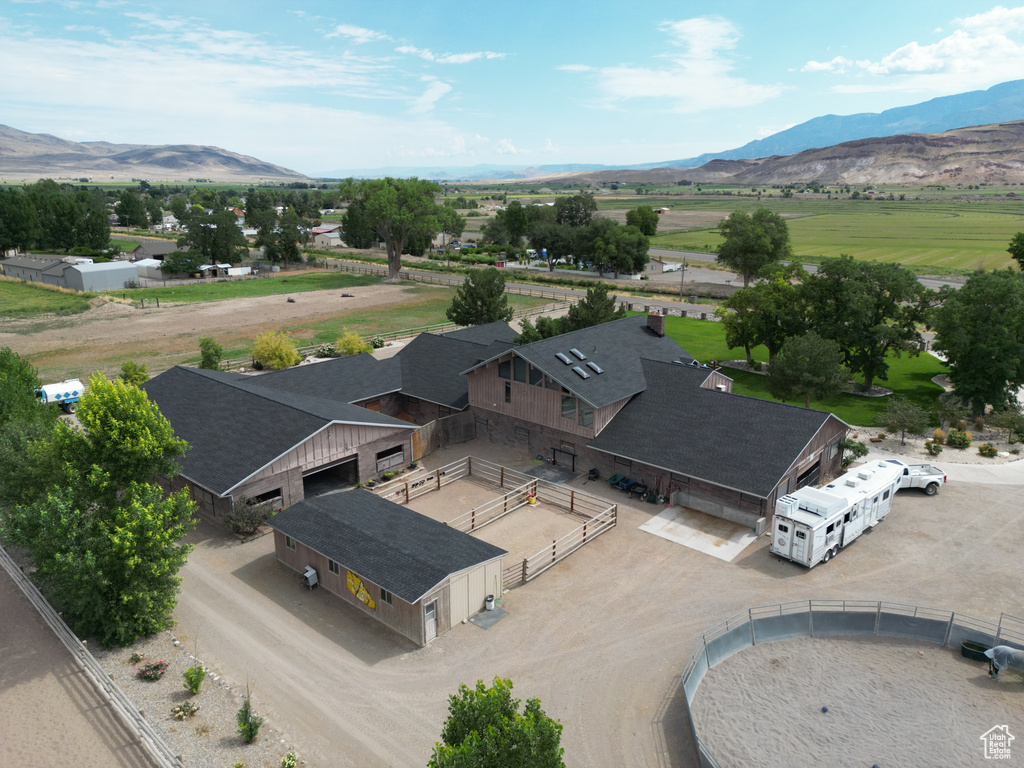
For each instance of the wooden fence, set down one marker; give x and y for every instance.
(597, 514)
(447, 430)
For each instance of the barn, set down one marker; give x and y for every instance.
(413, 574)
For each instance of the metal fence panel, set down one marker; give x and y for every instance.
(768, 629)
(692, 680)
(832, 623)
(725, 645)
(914, 627)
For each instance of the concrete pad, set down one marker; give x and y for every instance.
(704, 533)
(487, 619)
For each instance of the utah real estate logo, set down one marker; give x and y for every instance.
(997, 742)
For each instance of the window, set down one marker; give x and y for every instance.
(831, 528)
(519, 369)
(587, 417)
(333, 566)
(412, 400)
(783, 528)
(787, 485)
(801, 535)
(289, 542)
(550, 383)
(505, 369)
(569, 407)
(622, 465)
(833, 450)
(386, 597)
(679, 480)
(885, 496)
(392, 457)
(508, 391)
(536, 377)
(444, 410)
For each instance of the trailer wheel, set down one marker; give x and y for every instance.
(827, 557)
(931, 489)
(69, 407)
(835, 551)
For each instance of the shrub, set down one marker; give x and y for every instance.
(852, 450)
(377, 342)
(387, 475)
(351, 343)
(247, 515)
(988, 450)
(248, 721)
(194, 677)
(274, 350)
(291, 760)
(152, 671)
(326, 350)
(961, 424)
(958, 438)
(210, 354)
(136, 658)
(185, 710)
(934, 448)
(979, 423)
(938, 436)
(1015, 451)
(133, 373)
(757, 365)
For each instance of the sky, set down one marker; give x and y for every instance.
(338, 85)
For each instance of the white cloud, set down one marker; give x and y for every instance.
(436, 89)
(997, 19)
(838, 64)
(506, 147)
(448, 58)
(550, 148)
(696, 78)
(358, 35)
(574, 68)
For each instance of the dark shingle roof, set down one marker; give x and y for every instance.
(235, 427)
(484, 334)
(432, 367)
(730, 440)
(402, 551)
(348, 379)
(616, 347)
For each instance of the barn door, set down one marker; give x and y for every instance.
(430, 623)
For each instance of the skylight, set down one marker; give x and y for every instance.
(595, 367)
(578, 354)
(564, 358)
(580, 372)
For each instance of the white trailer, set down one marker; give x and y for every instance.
(65, 393)
(811, 524)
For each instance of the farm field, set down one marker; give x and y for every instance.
(264, 286)
(19, 299)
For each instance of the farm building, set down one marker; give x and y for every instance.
(68, 272)
(100, 277)
(154, 249)
(624, 398)
(413, 574)
(291, 434)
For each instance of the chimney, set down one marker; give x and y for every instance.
(656, 322)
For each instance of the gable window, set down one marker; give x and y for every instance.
(587, 417)
(550, 383)
(569, 407)
(622, 465)
(519, 369)
(386, 597)
(508, 391)
(289, 542)
(505, 369)
(833, 450)
(332, 566)
(536, 377)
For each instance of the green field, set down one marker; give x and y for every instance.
(909, 377)
(19, 299)
(240, 289)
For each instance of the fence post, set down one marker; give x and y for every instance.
(572, 502)
(553, 543)
(585, 532)
(501, 484)
(158, 302)
(525, 562)
(750, 621)
(469, 465)
(439, 479)
(407, 496)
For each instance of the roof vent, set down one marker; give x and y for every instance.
(693, 364)
(564, 358)
(595, 367)
(721, 387)
(578, 354)
(580, 372)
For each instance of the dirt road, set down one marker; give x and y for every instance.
(600, 639)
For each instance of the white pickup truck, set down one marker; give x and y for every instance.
(921, 476)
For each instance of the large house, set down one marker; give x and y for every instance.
(621, 397)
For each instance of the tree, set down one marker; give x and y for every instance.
(133, 373)
(516, 218)
(764, 313)
(643, 218)
(215, 237)
(105, 540)
(980, 330)
(545, 328)
(901, 415)
(22, 423)
(872, 310)
(290, 233)
(356, 227)
(485, 729)
(1016, 249)
(555, 241)
(210, 353)
(181, 262)
(155, 211)
(16, 220)
(752, 243)
(481, 299)
(630, 254)
(575, 210)
(807, 366)
(450, 222)
(595, 308)
(274, 350)
(397, 210)
(131, 211)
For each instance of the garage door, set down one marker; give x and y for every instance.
(336, 477)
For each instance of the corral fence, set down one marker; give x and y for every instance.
(835, 618)
(442, 432)
(597, 514)
(104, 685)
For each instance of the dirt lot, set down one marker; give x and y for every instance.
(601, 639)
(108, 334)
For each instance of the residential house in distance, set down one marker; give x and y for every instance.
(153, 249)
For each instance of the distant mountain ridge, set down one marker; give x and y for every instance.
(30, 156)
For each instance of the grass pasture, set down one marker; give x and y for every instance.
(909, 377)
(20, 299)
(265, 286)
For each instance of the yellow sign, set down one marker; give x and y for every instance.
(355, 586)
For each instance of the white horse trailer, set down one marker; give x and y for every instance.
(811, 524)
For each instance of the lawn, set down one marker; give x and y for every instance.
(949, 234)
(909, 377)
(20, 299)
(266, 286)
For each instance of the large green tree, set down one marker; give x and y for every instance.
(16, 220)
(23, 421)
(644, 218)
(764, 313)
(575, 210)
(903, 416)
(397, 210)
(215, 236)
(481, 299)
(105, 539)
(980, 330)
(485, 729)
(595, 308)
(753, 243)
(872, 310)
(131, 210)
(1016, 249)
(807, 366)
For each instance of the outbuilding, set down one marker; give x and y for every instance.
(417, 576)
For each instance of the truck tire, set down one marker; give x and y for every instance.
(931, 489)
(69, 407)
